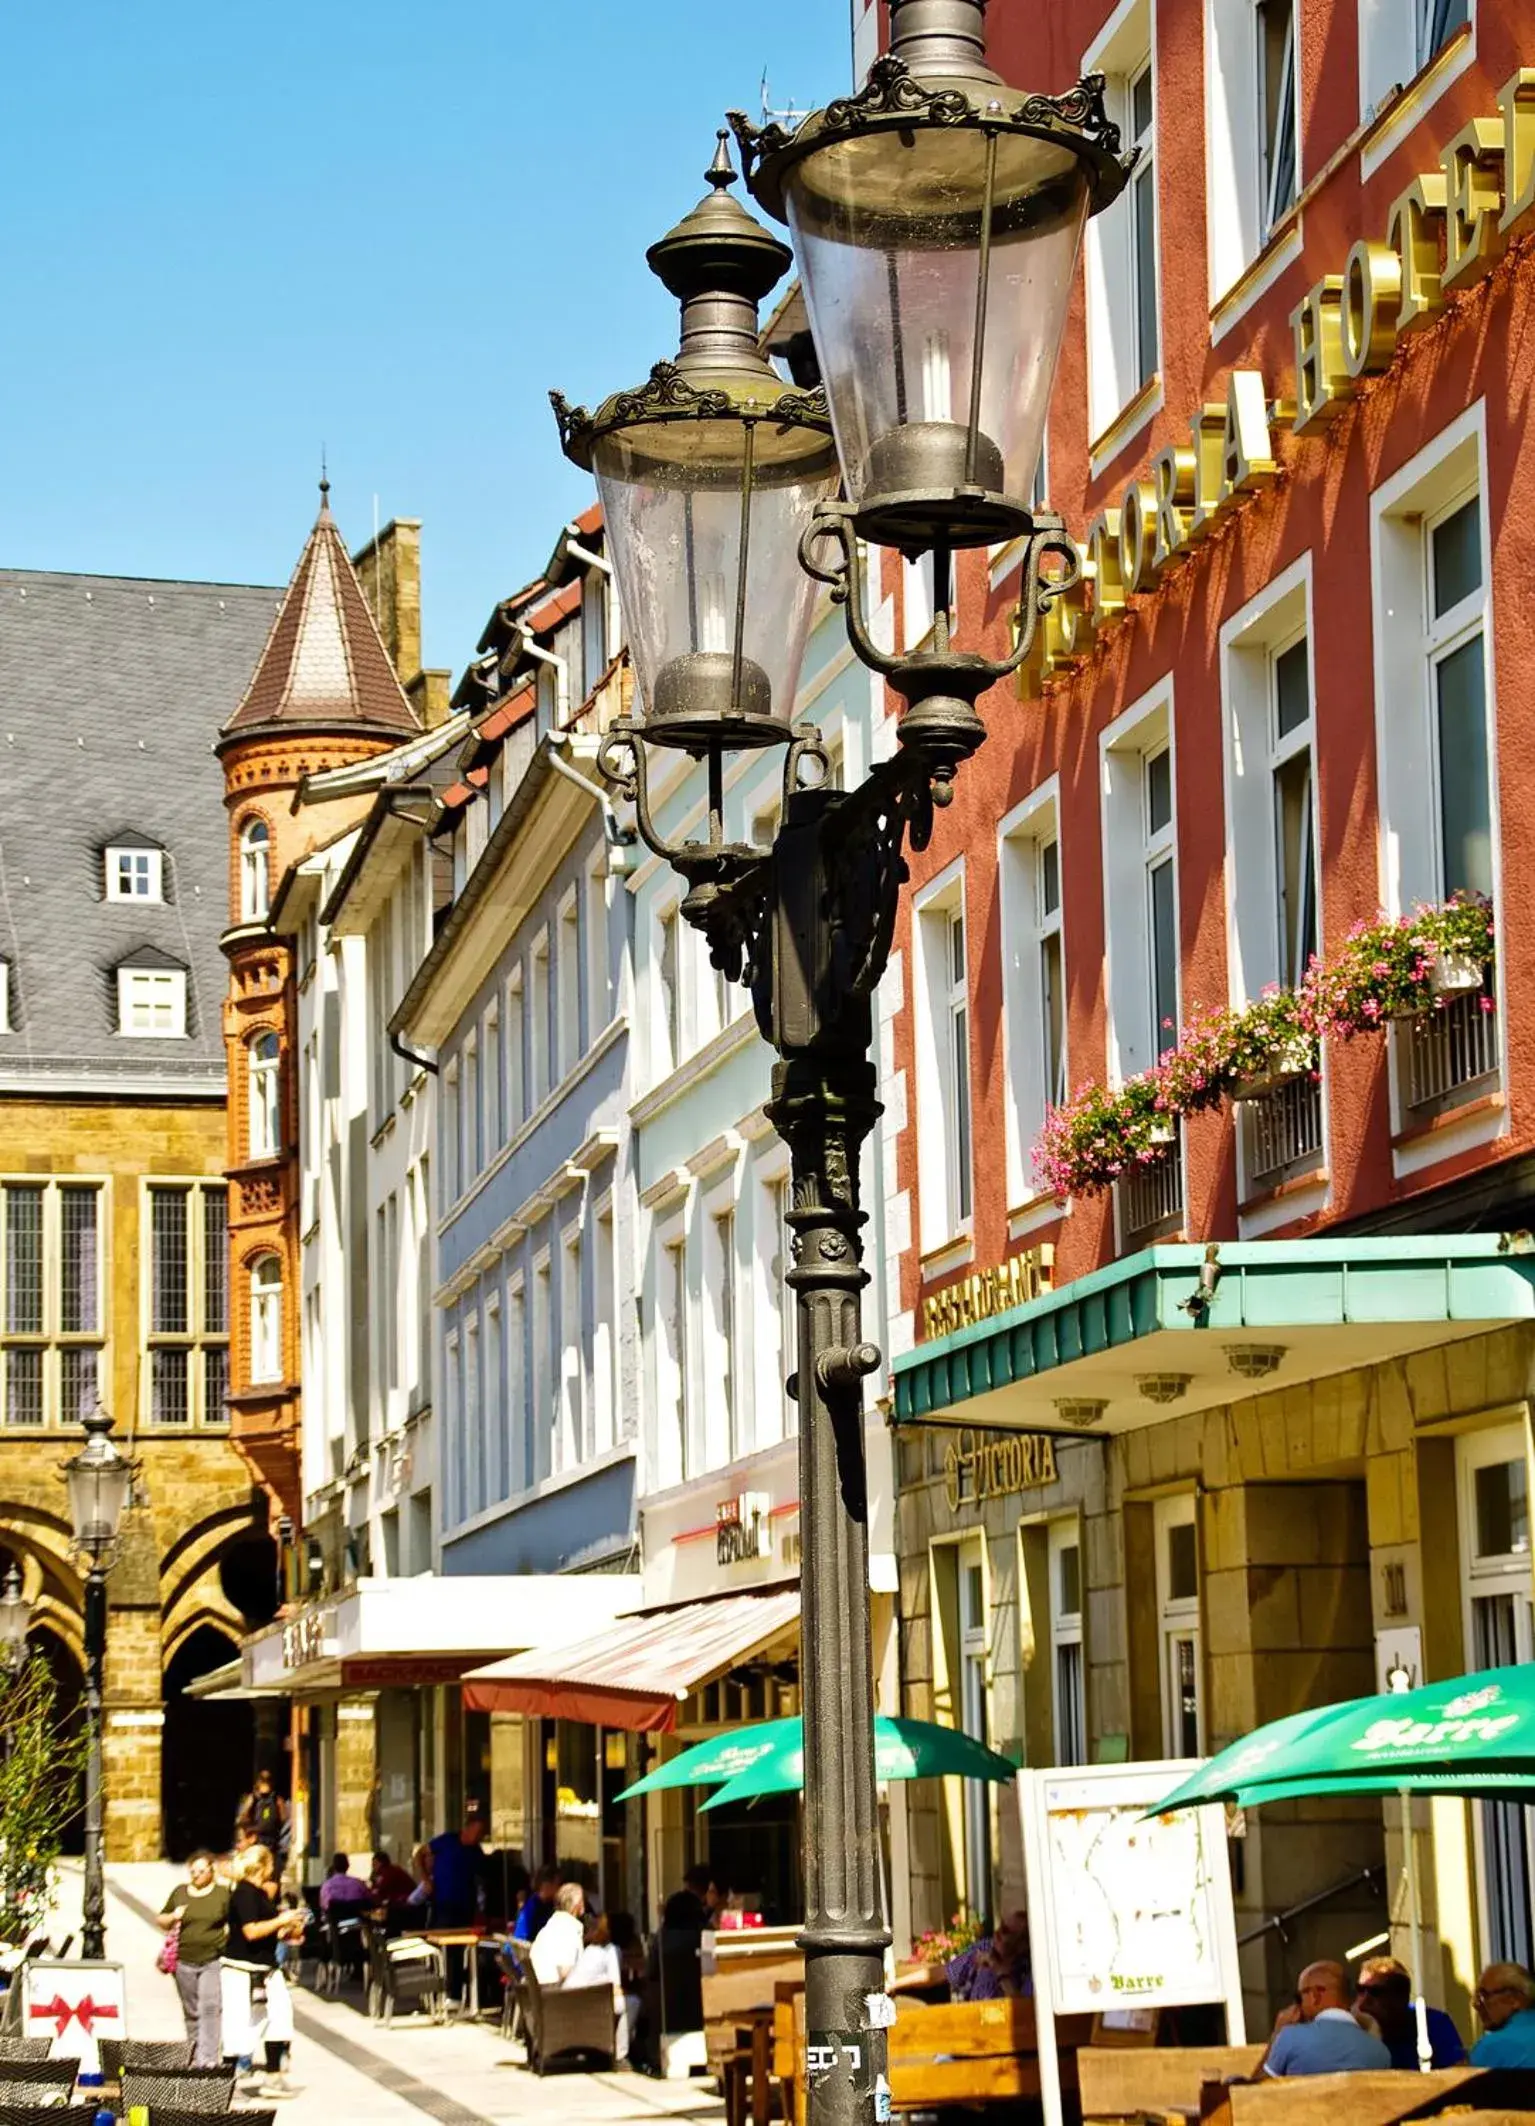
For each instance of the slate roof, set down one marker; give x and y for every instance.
(325, 665)
(112, 691)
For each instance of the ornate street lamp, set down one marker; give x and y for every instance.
(937, 216)
(15, 1622)
(100, 1480)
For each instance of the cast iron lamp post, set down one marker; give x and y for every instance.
(15, 1622)
(100, 1482)
(937, 216)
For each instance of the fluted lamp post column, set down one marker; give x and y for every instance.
(936, 218)
(100, 1481)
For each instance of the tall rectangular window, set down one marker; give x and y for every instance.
(943, 1061)
(722, 1409)
(1161, 902)
(569, 980)
(1068, 1697)
(1276, 108)
(543, 1373)
(470, 1115)
(1052, 973)
(1458, 688)
(599, 1000)
(495, 1487)
(1120, 253)
(540, 1031)
(516, 1429)
(572, 1350)
(53, 1313)
(424, 1314)
(392, 1293)
(1177, 1596)
(668, 1024)
(1294, 810)
(516, 1043)
(452, 1137)
(474, 1422)
(1493, 1483)
(770, 1414)
(187, 1303)
(495, 1084)
(673, 1446)
(605, 1333)
(1143, 199)
(1033, 983)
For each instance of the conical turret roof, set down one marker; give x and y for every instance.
(324, 665)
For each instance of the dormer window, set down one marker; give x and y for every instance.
(152, 998)
(135, 871)
(255, 875)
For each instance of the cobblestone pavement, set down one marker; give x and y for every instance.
(352, 2072)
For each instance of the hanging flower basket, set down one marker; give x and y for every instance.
(1454, 973)
(1296, 1058)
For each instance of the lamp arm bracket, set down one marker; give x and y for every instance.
(834, 521)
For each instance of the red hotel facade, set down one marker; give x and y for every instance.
(1289, 434)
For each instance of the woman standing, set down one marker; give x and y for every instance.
(199, 1908)
(250, 1965)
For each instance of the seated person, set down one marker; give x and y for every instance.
(1505, 2002)
(560, 1940)
(600, 1964)
(388, 1881)
(1385, 1995)
(342, 1891)
(538, 1906)
(1318, 2034)
(997, 1967)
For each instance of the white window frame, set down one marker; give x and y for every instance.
(674, 1454)
(264, 1297)
(470, 1111)
(451, 1130)
(473, 1407)
(599, 982)
(135, 873)
(1124, 48)
(543, 1413)
(773, 1325)
(515, 1054)
(722, 1412)
(1493, 1578)
(255, 870)
(540, 1030)
(263, 1094)
(514, 1433)
(573, 1411)
(945, 1153)
(1238, 179)
(152, 1003)
(1394, 50)
(1066, 1633)
(973, 1711)
(1130, 852)
(604, 1422)
(1178, 1622)
(453, 1461)
(1022, 838)
(671, 1023)
(568, 980)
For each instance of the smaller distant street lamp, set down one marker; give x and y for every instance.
(100, 1481)
(15, 1622)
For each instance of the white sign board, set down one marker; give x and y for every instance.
(73, 2005)
(1126, 1911)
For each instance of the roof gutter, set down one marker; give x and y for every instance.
(530, 648)
(618, 835)
(584, 554)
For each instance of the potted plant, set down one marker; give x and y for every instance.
(1272, 1046)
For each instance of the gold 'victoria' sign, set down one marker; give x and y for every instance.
(978, 1469)
(1346, 328)
(971, 1299)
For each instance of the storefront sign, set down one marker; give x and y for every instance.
(308, 1637)
(1347, 327)
(976, 1468)
(741, 1529)
(971, 1299)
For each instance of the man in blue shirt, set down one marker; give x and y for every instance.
(538, 1905)
(1319, 2035)
(1505, 2001)
(458, 1874)
(1385, 1994)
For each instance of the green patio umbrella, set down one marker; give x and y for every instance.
(1472, 1736)
(903, 1749)
(720, 1758)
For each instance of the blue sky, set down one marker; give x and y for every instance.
(234, 232)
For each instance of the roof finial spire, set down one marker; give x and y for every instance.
(324, 480)
(721, 172)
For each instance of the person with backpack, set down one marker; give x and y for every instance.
(266, 1812)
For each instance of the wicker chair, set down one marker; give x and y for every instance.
(37, 2081)
(27, 2048)
(161, 2116)
(120, 2052)
(21, 2114)
(404, 1973)
(564, 2019)
(196, 2089)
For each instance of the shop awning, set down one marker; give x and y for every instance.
(637, 1673)
(1130, 1344)
(226, 1684)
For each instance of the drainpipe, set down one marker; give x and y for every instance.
(584, 554)
(618, 835)
(562, 667)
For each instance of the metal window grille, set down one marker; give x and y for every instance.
(215, 1383)
(24, 1260)
(1284, 1129)
(1151, 1197)
(1447, 1050)
(79, 1294)
(168, 1313)
(169, 1385)
(216, 1262)
(23, 1387)
(78, 1382)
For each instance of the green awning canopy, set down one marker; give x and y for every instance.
(1283, 1311)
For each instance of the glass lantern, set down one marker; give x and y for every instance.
(15, 1621)
(937, 218)
(100, 1483)
(709, 475)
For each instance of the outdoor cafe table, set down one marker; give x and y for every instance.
(470, 1938)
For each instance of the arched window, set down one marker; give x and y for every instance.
(263, 1071)
(255, 890)
(266, 1318)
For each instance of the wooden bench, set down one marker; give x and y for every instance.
(1134, 2083)
(1374, 2099)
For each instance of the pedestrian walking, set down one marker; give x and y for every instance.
(266, 1812)
(257, 2008)
(197, 1912)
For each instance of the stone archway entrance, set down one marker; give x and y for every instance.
(205, 1750)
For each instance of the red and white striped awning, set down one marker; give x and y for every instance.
(635, 1674)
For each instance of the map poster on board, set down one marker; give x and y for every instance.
(1126, 1911)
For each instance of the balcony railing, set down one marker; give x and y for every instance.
(1448, 1056)
(1151, 1199)
(1284, 1132)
